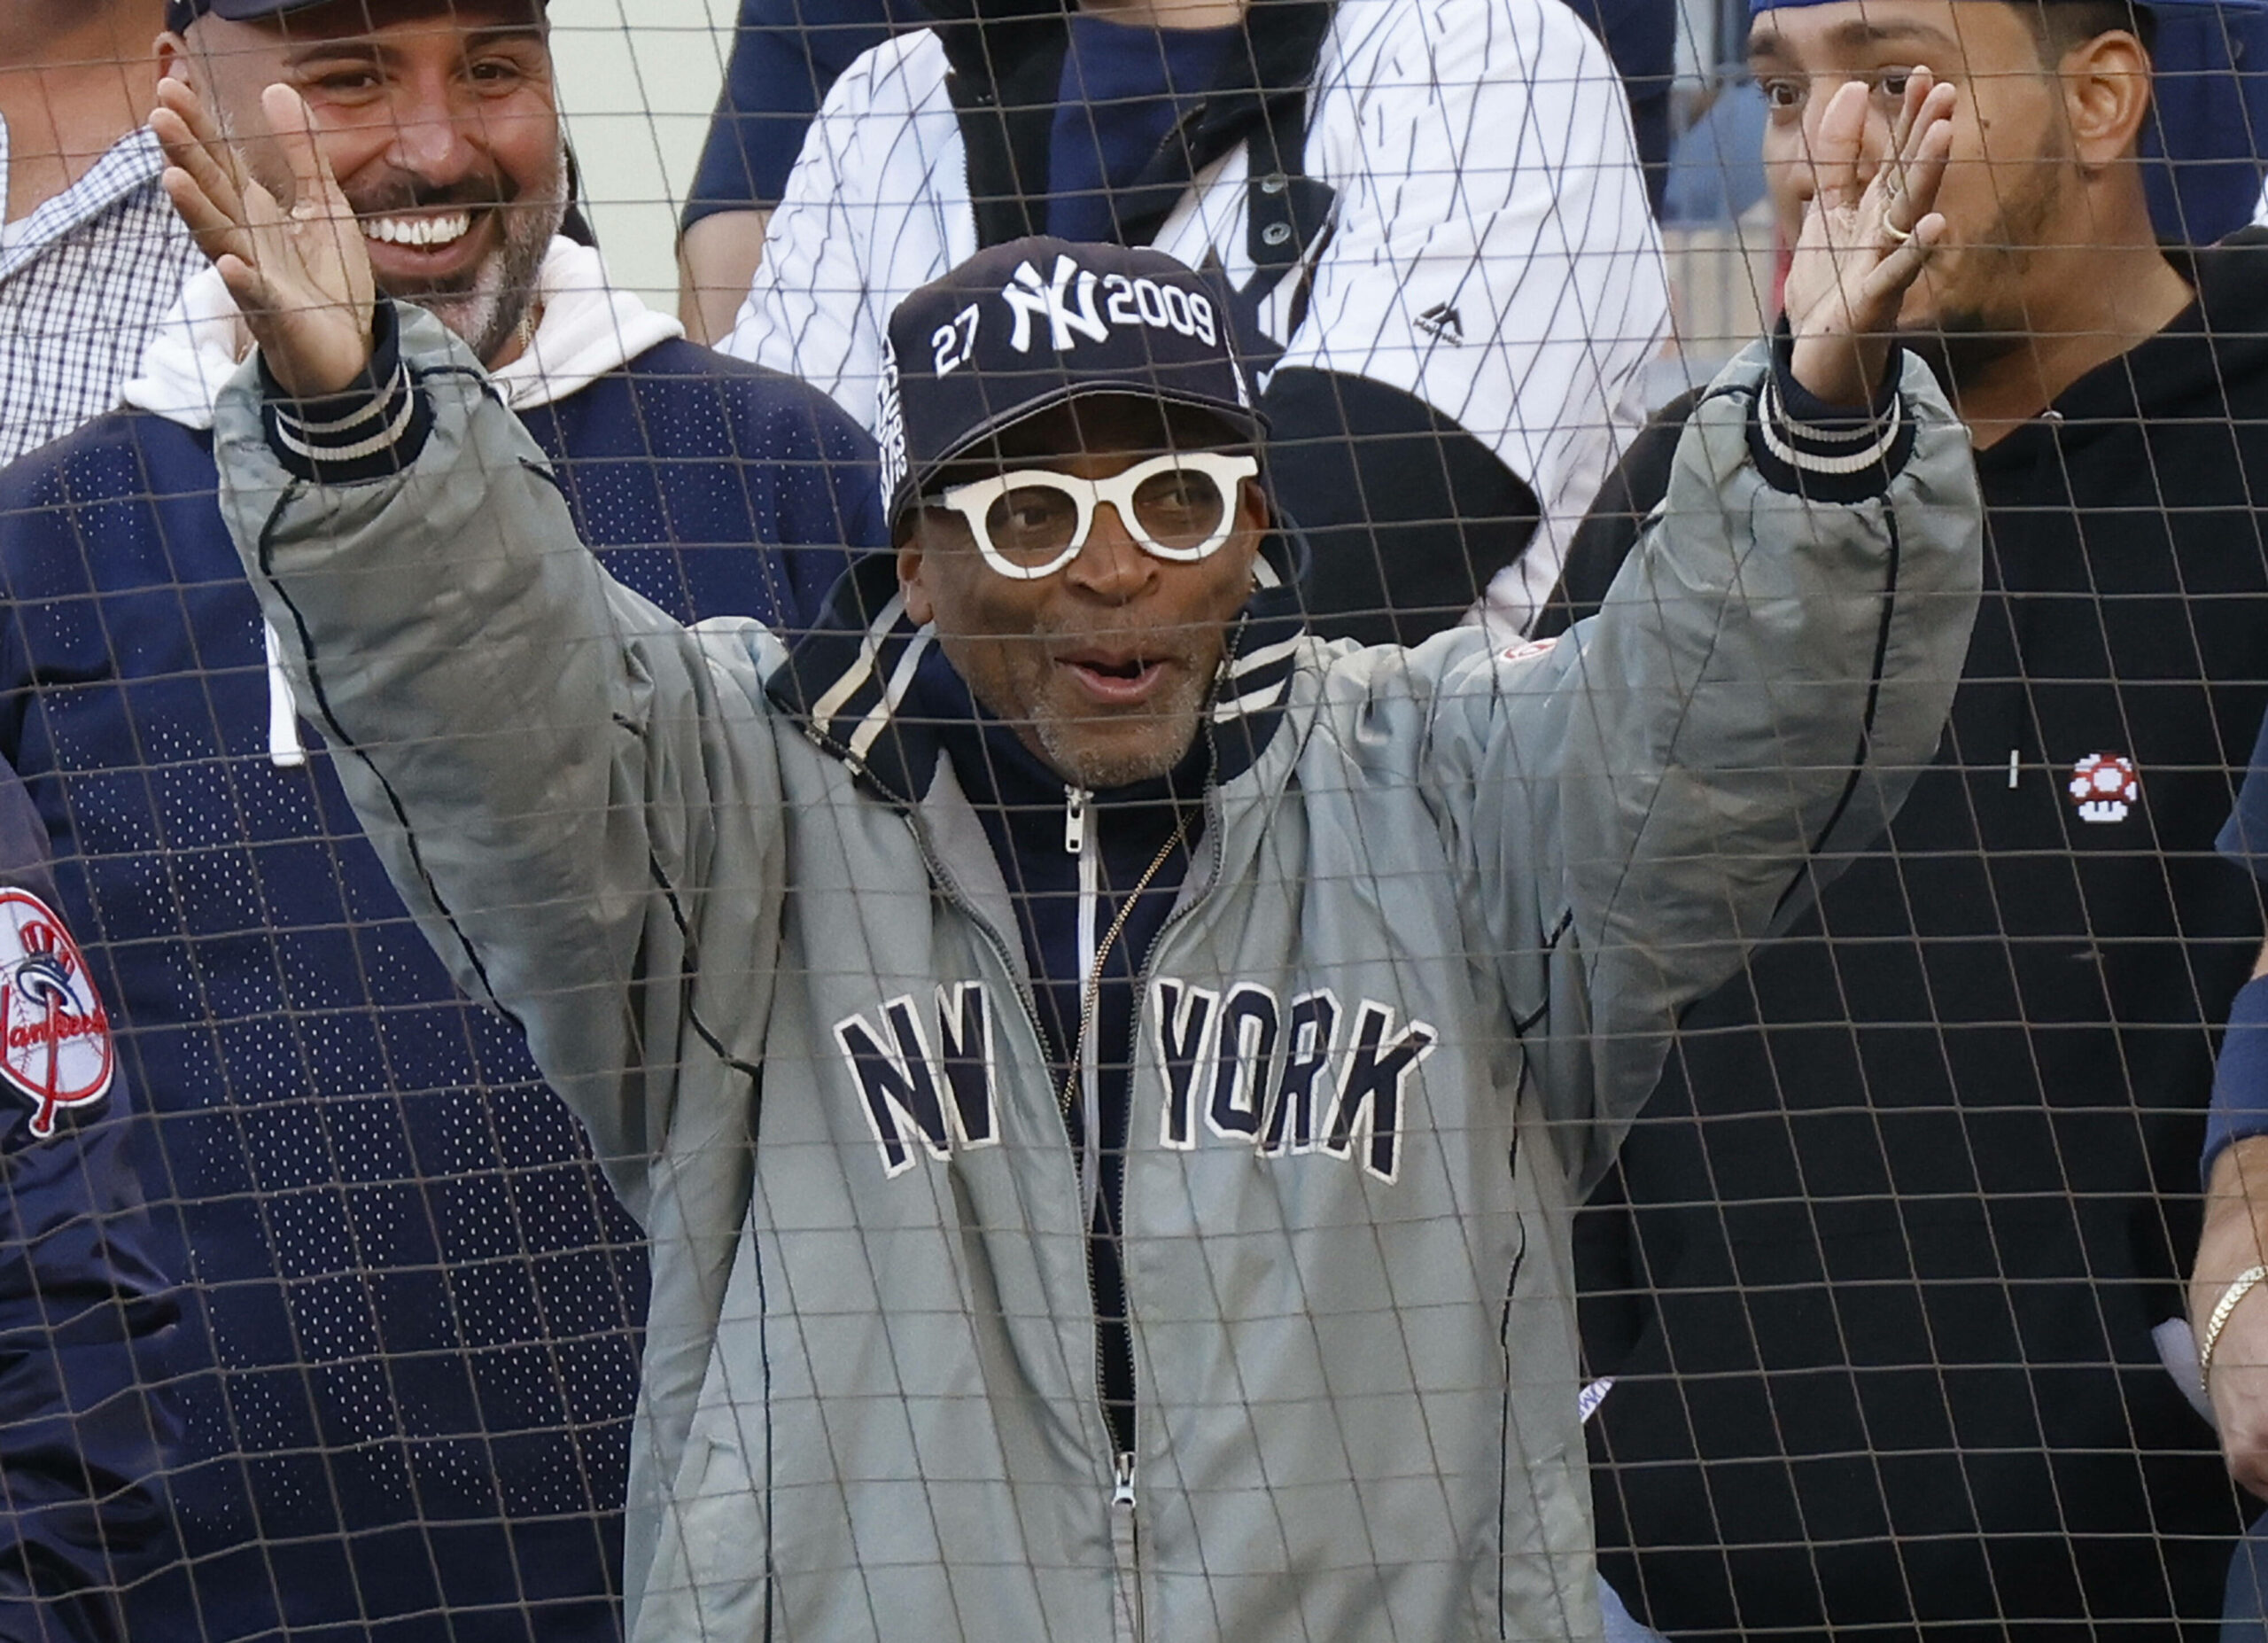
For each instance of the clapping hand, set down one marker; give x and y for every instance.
(298, 272)
(1865, 238)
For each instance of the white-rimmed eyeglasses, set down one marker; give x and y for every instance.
(1032, 522)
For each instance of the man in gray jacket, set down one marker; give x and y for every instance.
(1104, 1073)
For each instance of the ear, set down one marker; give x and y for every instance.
(911, 563)
(1253, 512)
(172, 52)
(2106, 84)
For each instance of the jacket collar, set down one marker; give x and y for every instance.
(1008, 65)
(847, 681)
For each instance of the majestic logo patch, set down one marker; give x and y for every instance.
(2105, 786)
(1443, 322)
(57, 1047)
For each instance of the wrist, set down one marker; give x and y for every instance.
(1828, 452)
(1848, 373)
(374, 426)
(2232, 1295)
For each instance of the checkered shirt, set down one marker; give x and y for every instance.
(83, 281)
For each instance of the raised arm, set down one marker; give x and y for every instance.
(1644, 800)
(540, 755)
(2228, 1292)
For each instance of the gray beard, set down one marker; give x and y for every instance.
(1100, 773)
(488, 305)
(502, 289)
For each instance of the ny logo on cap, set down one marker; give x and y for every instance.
(1027, 295)
(1065, 300)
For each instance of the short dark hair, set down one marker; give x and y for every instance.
(2058, 25)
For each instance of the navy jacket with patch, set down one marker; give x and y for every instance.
(88, 1316)
(417, 1304)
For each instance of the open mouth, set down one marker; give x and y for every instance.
(1132, 667)
(1116, 680)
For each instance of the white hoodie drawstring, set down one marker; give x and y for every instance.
(285, 749)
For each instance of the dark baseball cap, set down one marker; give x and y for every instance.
(1037, 323)
(180, 13)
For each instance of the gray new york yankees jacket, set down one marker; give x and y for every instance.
(1448, 904)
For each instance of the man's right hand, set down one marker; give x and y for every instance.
(300, 274)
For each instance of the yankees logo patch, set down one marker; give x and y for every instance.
(57, 1051)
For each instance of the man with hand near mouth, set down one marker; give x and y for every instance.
(1103, 1071)
(418, 1303)
(1883, 1276)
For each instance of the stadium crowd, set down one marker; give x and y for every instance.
(1618, 1000)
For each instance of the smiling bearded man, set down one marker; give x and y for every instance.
(456, 212)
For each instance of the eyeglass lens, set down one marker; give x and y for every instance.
(1176, 510)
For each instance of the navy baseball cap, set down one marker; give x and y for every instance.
(1035, 323)
(180, 13)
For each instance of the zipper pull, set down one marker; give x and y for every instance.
(1123, 1494)
(1075, 820)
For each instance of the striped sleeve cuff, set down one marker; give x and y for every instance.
(373, 427)
(1827, 453)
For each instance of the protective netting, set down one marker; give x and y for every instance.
(1001, 1180)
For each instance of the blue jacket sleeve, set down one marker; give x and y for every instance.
(2244, 839)
(86, 1311)
(2239, 1107)
(2241, 1077)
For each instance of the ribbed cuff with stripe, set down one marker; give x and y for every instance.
(373, 427)
(1827, 453)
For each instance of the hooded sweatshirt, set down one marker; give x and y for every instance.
(415, 1305)
(1886, 1324)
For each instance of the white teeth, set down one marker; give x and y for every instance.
(422, 231)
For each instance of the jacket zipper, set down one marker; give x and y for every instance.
(1125, 1527)
(1079, 841)
(1121, 1498)
(1126, 1548)
(1125, 1545)
(1078, 826)
(1078, 834)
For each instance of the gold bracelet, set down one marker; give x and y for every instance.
(2240, 1286)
